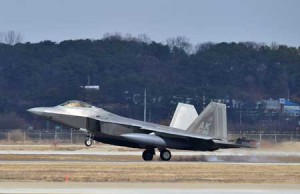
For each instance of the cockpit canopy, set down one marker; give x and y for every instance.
(76, 103)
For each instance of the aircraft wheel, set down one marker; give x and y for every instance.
(147, 155)
(88, 142)
(165, 155)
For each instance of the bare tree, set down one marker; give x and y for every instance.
(11, 37)
(203, 46)
(130, 37)
(113, 36)
(253, 45)
(1, 37)
(274, 46)
(144, 38)
(180, 42)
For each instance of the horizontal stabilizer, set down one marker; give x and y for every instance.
(226, 145)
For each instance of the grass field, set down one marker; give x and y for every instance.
(152, 172)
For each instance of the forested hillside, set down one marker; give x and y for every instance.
(49, 73)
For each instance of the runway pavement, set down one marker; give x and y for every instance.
(241, 152)
(223, 156)
(70, 162)
(145, 188)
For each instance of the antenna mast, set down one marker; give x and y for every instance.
(145, 105)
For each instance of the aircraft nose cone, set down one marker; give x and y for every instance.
(37, 111)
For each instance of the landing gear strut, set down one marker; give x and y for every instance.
(89, 141)
(165, 155)
(148, 154)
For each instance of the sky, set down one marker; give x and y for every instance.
(263, 21)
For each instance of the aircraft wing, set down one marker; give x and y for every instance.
(221, 143)
(157, 129)
(165, 131)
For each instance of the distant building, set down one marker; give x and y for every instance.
(272, 105)
(90, 87)
(291, 108)
(282, 105)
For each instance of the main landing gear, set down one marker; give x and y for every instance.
(165, 155)
(89, 141)
(148, 154)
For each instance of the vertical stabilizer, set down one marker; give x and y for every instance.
(211, 122)
(184, 115)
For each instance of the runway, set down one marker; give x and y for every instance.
(145, 188)
(245, 156)
(241, 152)
(70, 162)
(107, 169)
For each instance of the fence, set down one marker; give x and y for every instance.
(23, 137)
(272, 138)
(75, 137)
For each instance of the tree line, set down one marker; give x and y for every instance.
(48, 73)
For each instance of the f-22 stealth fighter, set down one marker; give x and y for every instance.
(187, 131)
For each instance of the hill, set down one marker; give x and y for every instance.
(49, 73)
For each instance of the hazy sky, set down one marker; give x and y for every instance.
(198, 20)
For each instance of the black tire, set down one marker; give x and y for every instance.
(165, 155)
(88, 142)
(147, 155)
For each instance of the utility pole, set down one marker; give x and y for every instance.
(240, 116)
(203, 101)
(145, 105)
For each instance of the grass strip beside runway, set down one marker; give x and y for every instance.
(151, 172)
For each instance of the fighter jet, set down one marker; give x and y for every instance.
(188, 130)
